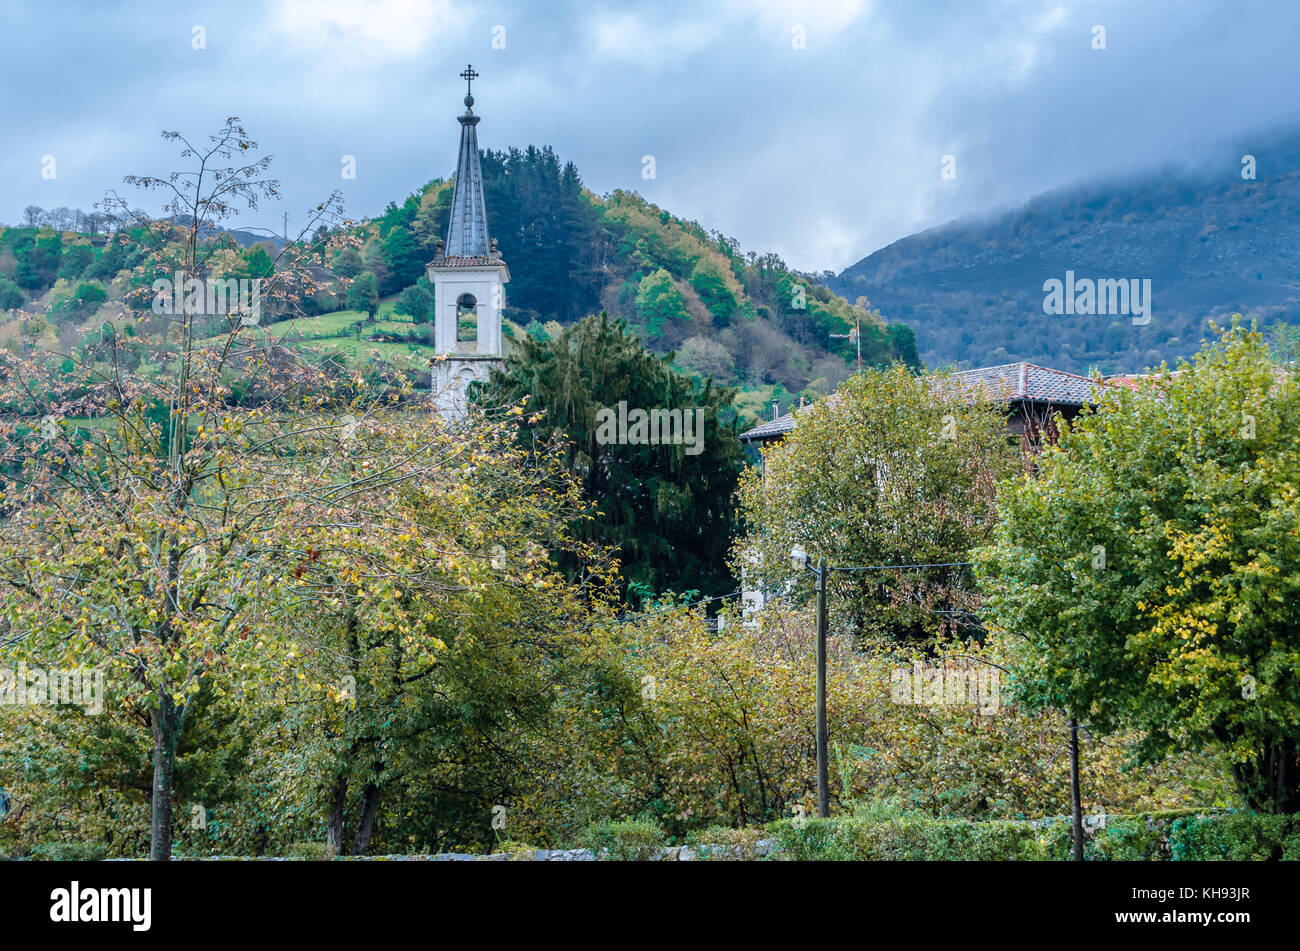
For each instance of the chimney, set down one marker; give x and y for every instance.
(803, 401)
(776, 410)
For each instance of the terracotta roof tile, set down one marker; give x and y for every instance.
(465, 262)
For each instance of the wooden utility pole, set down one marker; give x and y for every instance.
(1076, 804)
(823, 768)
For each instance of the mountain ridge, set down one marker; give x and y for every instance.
(972, 289)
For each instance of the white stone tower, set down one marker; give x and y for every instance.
(468, 278)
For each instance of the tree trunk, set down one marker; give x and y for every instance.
(334, 831)
(339, 796)
(166, 724)
(366, 826)
(1271, 782)
(1076, 803)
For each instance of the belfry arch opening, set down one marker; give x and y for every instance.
(466, 318)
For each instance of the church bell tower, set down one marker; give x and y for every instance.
(468, 278)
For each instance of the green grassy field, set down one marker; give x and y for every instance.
(336, 324)
(354, 352)
(327, 336)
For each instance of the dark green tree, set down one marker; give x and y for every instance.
(347, 263)
(75, 260)
(115, 256)
(363, 294)
(548, 231)
(10, 294)
(38, 261)
(256, 264)
(405, 261)
(710, 284)
(668, 507)
(416, 302)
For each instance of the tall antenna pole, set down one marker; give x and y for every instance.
(857, 329)
(854, 336)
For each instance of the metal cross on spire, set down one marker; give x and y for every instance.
(469, 76)
(467, 230)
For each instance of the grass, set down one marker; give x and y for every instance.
(327, 336)
(90, 422)
(337, 323)
(353, 352)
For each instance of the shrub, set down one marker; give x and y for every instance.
(310, 851)
(1129, 839)
(90, 295)
(723, 844)
(806, 840)
(69, 852)
(910, 838)
(1235, 836)
(518, 851)
(1229, 836)
(629, 840)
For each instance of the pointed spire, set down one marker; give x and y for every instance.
(467, 235)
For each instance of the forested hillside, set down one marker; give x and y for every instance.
(968, 293)
(1211, 242)
(745, 319)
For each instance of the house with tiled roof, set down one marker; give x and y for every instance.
(1034, 395)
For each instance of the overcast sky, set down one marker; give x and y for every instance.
(822, 150)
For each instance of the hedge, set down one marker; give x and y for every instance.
(1156, 837)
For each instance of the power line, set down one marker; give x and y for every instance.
(934, 564)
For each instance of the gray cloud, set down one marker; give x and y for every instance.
(823, 153)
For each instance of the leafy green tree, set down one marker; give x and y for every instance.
(256, 264)
(347, 263)
(668, 507)
(376, 260)
(90, 295)
(363, 294)
(11, 294)
(1151, 570)
(76, 259)
(87, 777)
(405, 262)
(115, 256)
(903, 339)
(894, 469)
(38, 261)
(710, 282)
(416, 302)
(658, 301)
(82, 303)
(427, 687)
(141, 546)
